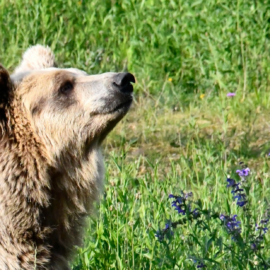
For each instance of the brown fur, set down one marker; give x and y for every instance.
(51, 167)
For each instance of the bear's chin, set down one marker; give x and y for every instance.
(115, 118)
(121, 110)
(92, 140)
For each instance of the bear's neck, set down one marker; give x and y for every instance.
(78, 175)
(76, 183)
(29, 157)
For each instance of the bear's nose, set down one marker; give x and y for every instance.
(122, 81)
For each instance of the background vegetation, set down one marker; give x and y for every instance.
(183, 132)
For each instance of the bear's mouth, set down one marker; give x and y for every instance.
(124, 106)
(115, 106)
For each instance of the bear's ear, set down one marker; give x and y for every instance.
(36, 57)
(6, 94)
(6, 87)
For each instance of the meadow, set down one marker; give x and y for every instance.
(183, 133)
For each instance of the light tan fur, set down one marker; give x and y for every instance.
(36, 57)
(52, 122)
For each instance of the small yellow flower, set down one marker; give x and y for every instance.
(202, 96)
(170, 79)
(80, 3)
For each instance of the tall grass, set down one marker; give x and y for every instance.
(183, 132)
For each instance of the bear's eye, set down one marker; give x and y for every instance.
(66, 88)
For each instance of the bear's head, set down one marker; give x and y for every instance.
(65, 108)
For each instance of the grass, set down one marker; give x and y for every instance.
(183, 132)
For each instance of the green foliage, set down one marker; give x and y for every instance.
(203, 45)
(183, 133)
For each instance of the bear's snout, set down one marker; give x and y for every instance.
(117, 97)
(122, 82)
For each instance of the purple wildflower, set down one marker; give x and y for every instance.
(179, 207)
(253, 246)
(179, 202)
(222, 217)
(179, 199)
(167, 226)
(182, 204)
(188, 195)
(241, 203)
(238, 193)
(231, 182)
(232, 225)
(195, 213)
(256, 242)
(231, 94)
(241, 198)
(243, 172)
(160, 234)
(263, 228)
(201, 265)
(264, 221)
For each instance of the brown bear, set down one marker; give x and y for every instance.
(52, 123)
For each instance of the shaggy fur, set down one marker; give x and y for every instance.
(52, 122)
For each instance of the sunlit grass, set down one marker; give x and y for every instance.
(183, 132)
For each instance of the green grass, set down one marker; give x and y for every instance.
(183, 132)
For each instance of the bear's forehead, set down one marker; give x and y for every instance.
(75, 71)
(48, 72)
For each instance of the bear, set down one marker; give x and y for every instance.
(52, 124)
